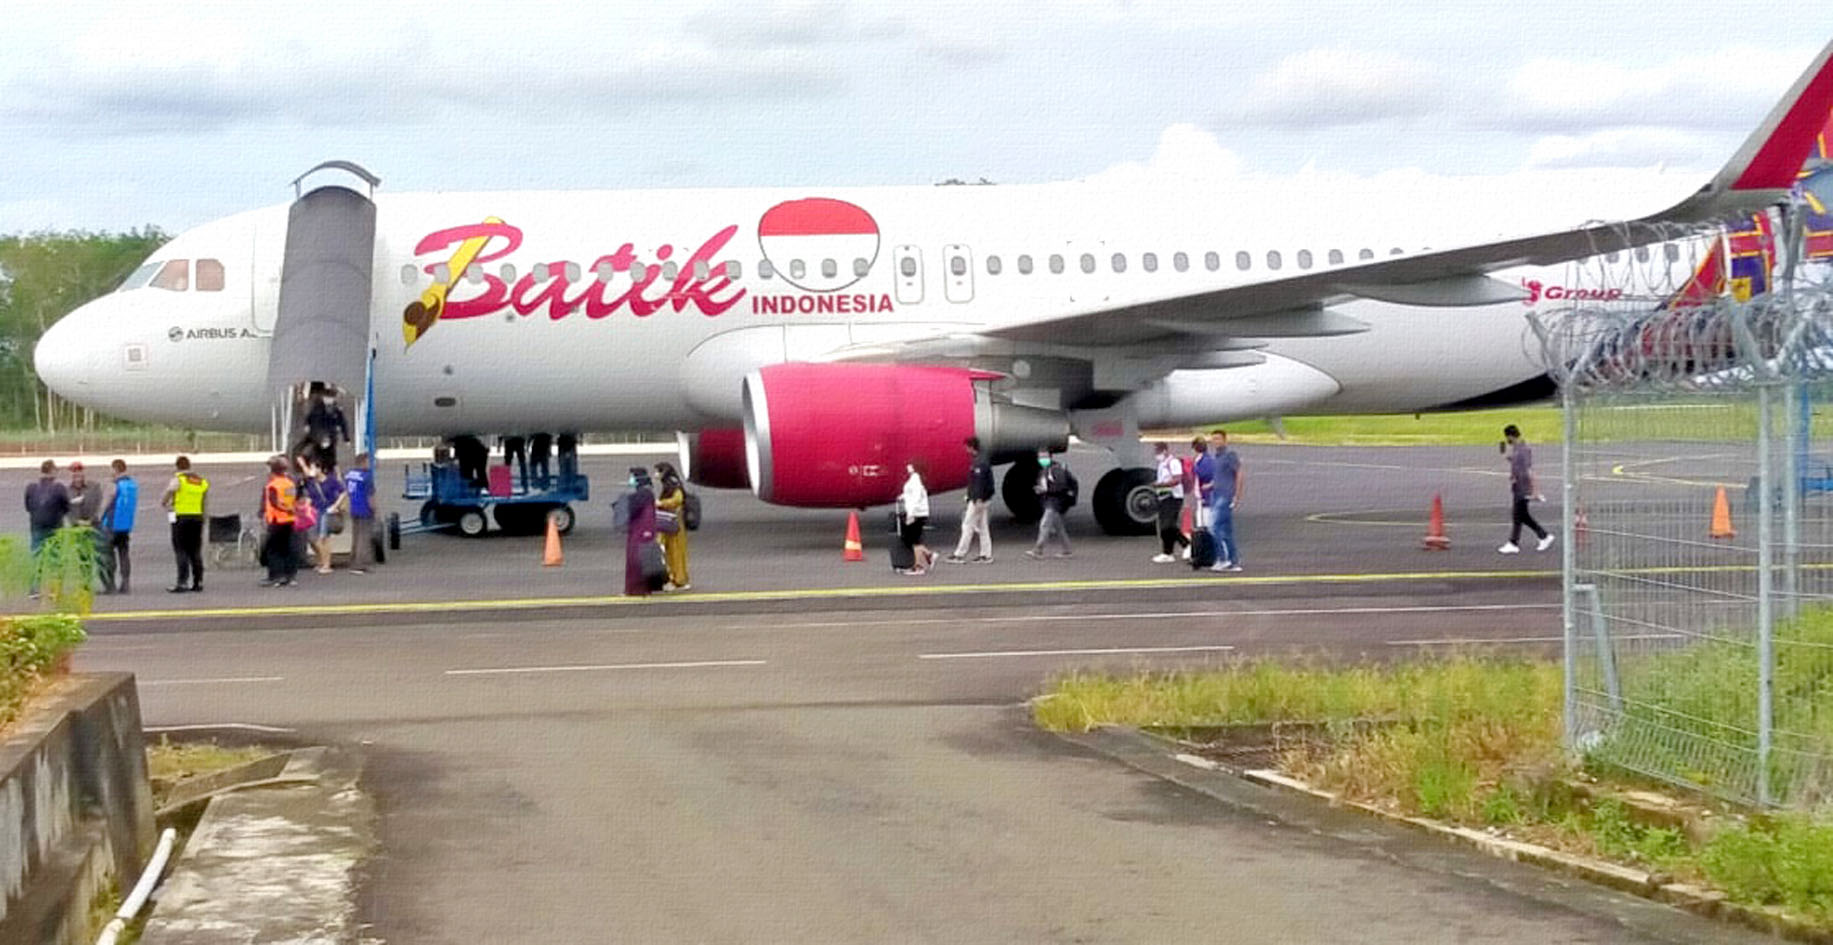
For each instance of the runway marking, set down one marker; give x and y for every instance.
(1462, 641)
(829, 593)
(210, 681)
(691, 664)
(1099, 651)
(1340, 518)
(1153, 615)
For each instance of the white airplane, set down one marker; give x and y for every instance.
(809, 344)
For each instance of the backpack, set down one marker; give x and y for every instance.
(1072, 489)
(690, 510)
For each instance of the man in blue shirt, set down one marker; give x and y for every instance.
(1224, 494)
(359, 484)
(117, 528)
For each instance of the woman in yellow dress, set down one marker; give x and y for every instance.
(671, 496)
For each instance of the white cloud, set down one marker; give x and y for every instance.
(1731, 88)
(1620, 147)
(1185, 153)
(1334, 86)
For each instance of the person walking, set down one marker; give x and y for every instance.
(326, 425)
(86, 513)
(279, 510)
(1055, 486)
(641, 531)
(1521, 491)
(359, 493)
(326, 493)
(979, 496)
(913, 505)
(1168, 487)
(118, 530)
(184, 502)
(1225, 483)
(671, 498)
(47, 502)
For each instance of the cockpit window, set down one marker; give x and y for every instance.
(175, 276)
(209, 275)
(140, 277)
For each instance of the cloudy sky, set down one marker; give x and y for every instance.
(117, 114)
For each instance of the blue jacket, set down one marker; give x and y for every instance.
(119, 517)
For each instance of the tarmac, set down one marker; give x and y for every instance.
(801, 749)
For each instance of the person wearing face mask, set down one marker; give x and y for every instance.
(914, 504)
(325, 424)
(671, 498)
(1056, 487)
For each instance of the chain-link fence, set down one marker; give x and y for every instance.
(1698, 517)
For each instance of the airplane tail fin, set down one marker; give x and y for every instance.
(1773, 155)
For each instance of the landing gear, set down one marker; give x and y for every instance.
(1019, 490)
(1125, 503)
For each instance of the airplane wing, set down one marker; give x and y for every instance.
(1758, 175)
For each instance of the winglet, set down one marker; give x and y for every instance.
(1772, 156)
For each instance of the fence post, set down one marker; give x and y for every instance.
(1568, 558)
(1766, 616)
(1797, 414)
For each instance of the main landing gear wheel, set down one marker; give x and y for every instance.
(1125, 503)
(471, 523)
(1019, 490)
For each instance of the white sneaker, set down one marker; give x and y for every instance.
(1544, 543)
(1186, 554)
(1163, 559)
(1220, 566)
(1509, 548)
(1234, 567)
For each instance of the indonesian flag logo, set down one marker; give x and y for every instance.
(818, 243)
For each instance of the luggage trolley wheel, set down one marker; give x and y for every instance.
(471, 523)
(563, 518)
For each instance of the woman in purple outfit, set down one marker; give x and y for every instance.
(642, 532)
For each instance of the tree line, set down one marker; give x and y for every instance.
(43, 277)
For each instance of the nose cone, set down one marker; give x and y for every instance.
(63, 358)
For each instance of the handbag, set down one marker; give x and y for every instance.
(307, 515)
(652, 566)
(334, 525)
(668, 523)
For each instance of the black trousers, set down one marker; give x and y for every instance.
(1522, 517)
(1170, 536)
(113, 548)
(188, 548)
(278, 552)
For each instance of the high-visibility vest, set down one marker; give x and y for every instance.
(279, 500)
(189, 499)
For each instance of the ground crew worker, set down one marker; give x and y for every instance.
(184, 502)
(979, 494)
(279, 504)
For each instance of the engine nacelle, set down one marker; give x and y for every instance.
(714, 458)
(839, 435)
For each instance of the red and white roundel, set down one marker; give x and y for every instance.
(818, 243)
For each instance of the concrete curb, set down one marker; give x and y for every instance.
(1699, 900)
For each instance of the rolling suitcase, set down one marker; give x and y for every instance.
(1202, 543)
(903, 557)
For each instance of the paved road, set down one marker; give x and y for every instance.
(841, 767)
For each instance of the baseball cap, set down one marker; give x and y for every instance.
(76, 467)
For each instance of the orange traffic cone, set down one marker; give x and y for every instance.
(552, 558)
(855, 551)
(1721, 517)
(1435, 527)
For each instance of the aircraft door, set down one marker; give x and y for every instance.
(958, 279)
(909, 263)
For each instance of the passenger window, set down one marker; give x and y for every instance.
(474, 274)
(1088, 262)
(1243, 261)
(1056, 264)
(174, 277)
(1149, 261)
(1641, 256)
(992, 265)
(957, 265)
(1212, 260)
(1304, 259)
(638, 272)
(1671, 251)
(508, 272)
(861, 265)
(572, 272)
(1120, 262)
(1180, 262)
(209, 275)
(1024, 265)
(539, 274)
(829, 269)
(443, 273)
(765, 270)
(1365, 254)
(604, 270)
(797, 269)
(907, 266)
(408, 275)
(1273, 260)
(1336, 257)
(733, 270)
(701, 270)
(1612, 256)
(669, 271)
(1396, 251)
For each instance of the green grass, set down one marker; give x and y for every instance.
(1470, 428)
(168, 760)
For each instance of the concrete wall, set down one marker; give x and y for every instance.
(76, 810)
